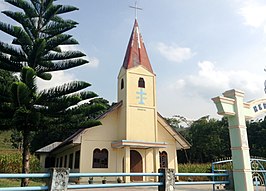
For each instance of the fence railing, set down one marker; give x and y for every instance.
(162, 184)
(257, 169)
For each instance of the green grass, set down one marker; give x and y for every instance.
(16, 183)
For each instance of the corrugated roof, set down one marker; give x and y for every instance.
(48, 148)
(136, 53)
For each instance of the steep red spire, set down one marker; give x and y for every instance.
(136, 52)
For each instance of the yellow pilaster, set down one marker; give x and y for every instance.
(156, 160)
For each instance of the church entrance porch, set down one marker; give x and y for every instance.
(136, 165)
(139, 157)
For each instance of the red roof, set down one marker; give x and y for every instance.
(136, 53)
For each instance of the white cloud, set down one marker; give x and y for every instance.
(191, 95)
(254, 13)
(174, 53)
(59, 78)
(210, 81)
(207, 76)
(93, 61)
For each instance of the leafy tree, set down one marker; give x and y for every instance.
(209, 139)
(16, 139)
(256, 132)
(44, 136)
(35, 52)
(6, 79)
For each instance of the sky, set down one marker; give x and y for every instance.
(198, 49)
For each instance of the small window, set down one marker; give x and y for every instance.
(65, 161)
(100, 158)
(141, 83)
(122, 84)
(57, 162)
(61, 162)
(163, 160)
(77, 158)
(70, 162)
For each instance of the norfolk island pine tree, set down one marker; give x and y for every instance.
(33, 53)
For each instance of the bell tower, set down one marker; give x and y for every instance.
(137, 91)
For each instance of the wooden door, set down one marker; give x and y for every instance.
(135, 165)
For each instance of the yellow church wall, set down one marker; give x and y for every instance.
(149, 164)
(141, 120)
(87, 156)
(119, 160)
(171, 155)
(131, 78)
(122, 110)
(114, 158)
(165, 136)
(122, 91)
(121, 120)
(101, 137)
(140, 70)
(132, 85)
(107, 131)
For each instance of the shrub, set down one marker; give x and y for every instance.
(194, 168)
(12, 163)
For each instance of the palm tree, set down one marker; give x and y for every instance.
(34, 52)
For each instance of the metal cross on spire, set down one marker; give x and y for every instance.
(136, 9)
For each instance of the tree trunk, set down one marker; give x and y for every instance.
(25, 157)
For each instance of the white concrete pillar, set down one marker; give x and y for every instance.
(127, 162)
(232, 106)
(239, 144)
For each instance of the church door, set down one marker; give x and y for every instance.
(135, 165)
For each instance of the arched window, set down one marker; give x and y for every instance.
(122, 84)
(100, 158)
(141, 83)
(163, 159)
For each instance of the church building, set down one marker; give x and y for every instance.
(133, 136)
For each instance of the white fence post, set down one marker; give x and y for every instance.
(59, 179)
(168, 179)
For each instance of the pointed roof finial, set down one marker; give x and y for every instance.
(136, 9)
(136, 54)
